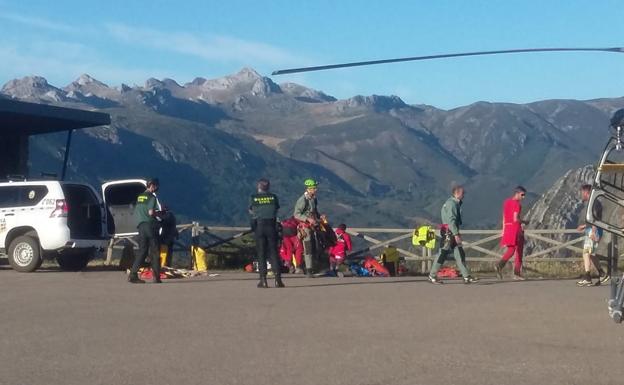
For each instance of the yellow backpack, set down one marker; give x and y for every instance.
(424, 236)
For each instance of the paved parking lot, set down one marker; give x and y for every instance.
(92, 327)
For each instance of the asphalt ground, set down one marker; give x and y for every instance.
(93, 327)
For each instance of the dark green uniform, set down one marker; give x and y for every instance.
(145, 202)
(451, 217)
(307, 207)
(148, 232)
(263, 207)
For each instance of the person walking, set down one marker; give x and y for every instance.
(146, 214)
(306, 212)
(591, 239)
(512, 234)
(451, 237)
(263, 207)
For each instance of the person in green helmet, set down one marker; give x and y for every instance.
(451, 237)
(306, 212)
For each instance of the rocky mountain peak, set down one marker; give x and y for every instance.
(165, 83)
(248, 74)
(378, 102)
(32, 87)
(89, 87)
(170, 83)
(264, 87)
(246, 80)
(198, 81)
(85, 79)
(153, 83)
(305, 94)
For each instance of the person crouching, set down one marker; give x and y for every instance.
(338, 252)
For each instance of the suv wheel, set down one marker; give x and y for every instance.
(24, 254)
(75, 261)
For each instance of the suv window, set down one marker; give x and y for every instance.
(125, 194)
(21, 196)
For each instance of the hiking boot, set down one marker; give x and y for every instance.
(584, 282)
(519, 277)
(499, 271)
(470, 279)
(134, 278)
(263, 283)
(278, 282)
(435, 280)
(604, 279)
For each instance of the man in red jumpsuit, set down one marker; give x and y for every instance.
(291, 245)
(513, 234)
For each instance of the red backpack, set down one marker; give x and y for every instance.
(289, 227)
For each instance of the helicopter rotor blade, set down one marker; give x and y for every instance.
(443, 56)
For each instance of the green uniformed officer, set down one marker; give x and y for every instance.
(263, 207)
(145, 213)
(451, 237)
(306, 212)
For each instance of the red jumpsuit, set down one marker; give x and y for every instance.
(292, 246)
(513, 235)
(338, 252)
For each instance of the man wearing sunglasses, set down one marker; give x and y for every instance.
(513, 234)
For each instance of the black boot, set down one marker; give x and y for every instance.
(263, 283)
(499, 269)
(134, 278)
(278, 281)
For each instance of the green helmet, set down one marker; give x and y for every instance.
(310, 183)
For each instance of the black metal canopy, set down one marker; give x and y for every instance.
(21, 118)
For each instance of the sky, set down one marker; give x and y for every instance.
(130, 41)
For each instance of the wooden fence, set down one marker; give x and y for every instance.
(478, 242)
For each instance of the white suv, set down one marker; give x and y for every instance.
(54, 219)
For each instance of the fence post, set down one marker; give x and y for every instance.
(195, 231)
(429, 260)
(195, 234)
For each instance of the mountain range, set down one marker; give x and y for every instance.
(380, 161)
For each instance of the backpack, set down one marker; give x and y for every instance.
(289, 227)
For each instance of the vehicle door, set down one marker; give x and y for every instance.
(120, 198)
